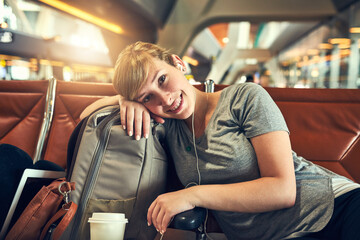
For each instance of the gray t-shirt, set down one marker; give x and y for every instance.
(225, 155)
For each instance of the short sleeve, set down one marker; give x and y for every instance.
(255, 111)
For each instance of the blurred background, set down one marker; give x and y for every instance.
(277, 43)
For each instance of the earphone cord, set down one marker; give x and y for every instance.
(196, 155)
(198, 170)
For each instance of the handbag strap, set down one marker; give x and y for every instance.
(67, 212)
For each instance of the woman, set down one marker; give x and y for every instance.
(232, 147)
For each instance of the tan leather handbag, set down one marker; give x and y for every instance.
(47, 215)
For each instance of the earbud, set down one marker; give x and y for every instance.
(180, 67)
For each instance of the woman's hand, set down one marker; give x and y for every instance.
(166, 206)
(135, 118)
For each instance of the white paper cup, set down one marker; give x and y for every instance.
(109, 226)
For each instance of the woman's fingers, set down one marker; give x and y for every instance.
(130, 120)
(138, 117)
(165, 223)
(142, 123)
(159, 216)
(152, 213)
(123, 117)
(135, 118)
(158, 220)
(164, 207)
(146, 124)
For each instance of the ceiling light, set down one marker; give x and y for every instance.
(339, 41)
(84, 15)
(251, 61)
(316, 59)
(4, 25)
(345, 52)
(312, 51)
(325, 46)
(315, 73)
(267, 73)
(344, 46)
(225, 40)
(191, 61)
(354, 30)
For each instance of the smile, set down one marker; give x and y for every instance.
(175, 107)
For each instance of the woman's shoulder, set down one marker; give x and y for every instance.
(241, 91)
(244, 87)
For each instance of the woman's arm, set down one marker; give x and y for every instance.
(276, 189)
(102, 102)
(134, 116)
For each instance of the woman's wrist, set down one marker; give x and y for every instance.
(193, 194)
(120, 99)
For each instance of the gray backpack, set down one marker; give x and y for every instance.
(114, 173)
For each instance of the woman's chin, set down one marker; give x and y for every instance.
(186, 115)
(178, 116)
(181, 114)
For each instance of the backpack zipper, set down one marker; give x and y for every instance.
(104, 128)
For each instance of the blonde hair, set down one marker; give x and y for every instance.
(132, 67)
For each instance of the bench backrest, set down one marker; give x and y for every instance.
(71, 99)
(22, 107)
(324, 124)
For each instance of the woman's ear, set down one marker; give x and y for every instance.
(180, 67)
(178, 63)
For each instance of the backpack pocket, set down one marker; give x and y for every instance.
(104, 205)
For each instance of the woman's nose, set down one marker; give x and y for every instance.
(165, 99)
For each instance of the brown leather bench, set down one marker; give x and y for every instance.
(324, 124)
(22, 106)
(71, 99)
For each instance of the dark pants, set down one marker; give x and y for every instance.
(345, 221)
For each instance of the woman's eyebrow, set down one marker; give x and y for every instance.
(154, 78)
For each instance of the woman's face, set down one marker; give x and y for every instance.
(166, 92)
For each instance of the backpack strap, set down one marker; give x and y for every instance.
(67, 212)
(73, 146)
